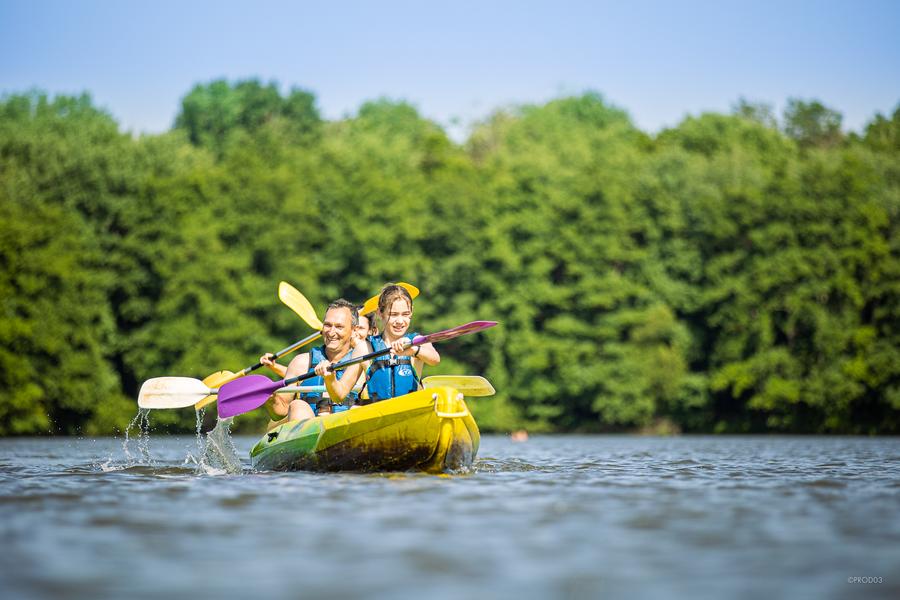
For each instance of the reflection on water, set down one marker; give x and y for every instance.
(553, 516)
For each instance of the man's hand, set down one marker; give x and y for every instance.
(322, 368)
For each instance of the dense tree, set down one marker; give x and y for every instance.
(212, 114)
(721, 276)
(812, 123)
(883, 134)
(760, 112)
(60, 160)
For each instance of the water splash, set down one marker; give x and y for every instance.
(220, 449)
(142, 421)
(199, 427)
(217, 454)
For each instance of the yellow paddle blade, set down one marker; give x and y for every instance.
(372, 303)
(298, 303)
(216, 380)
(470, 385)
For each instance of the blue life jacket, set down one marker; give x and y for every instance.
(390, 376)
(317, 355)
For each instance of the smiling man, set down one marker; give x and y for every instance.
(341, 318)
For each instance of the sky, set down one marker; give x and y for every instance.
(459, 61)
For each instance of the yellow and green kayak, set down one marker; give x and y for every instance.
(430, 430)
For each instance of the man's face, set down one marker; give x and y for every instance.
(337, 328)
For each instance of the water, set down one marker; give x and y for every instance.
(553, 517)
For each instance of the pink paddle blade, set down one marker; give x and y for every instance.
(449, 334)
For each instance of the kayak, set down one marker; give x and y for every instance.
(429, 430)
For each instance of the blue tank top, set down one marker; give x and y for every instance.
(317, 355)
(390, 376)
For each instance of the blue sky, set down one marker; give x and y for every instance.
(457, 61)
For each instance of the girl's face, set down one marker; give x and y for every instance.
(397, 317)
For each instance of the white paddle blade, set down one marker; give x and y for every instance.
(214, 382)
(472, 386)
(171, 392)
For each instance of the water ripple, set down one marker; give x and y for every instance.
(556, 516)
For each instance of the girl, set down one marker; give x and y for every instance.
(399, 372)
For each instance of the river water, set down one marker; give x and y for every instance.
(552, 517)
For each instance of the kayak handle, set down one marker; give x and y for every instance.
(449, 415)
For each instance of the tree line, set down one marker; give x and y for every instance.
(736, 273)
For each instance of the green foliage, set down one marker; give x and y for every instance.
(883, 135)
(722, 276)
(213, 115)
(760, 112)
(62, 166)
(812, 123)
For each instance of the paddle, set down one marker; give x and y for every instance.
(371, 304)
(217, 380)
(298, 303)
(472, 386)
(249, 393)
(181, 392)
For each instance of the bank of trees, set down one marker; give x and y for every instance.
(735, 273)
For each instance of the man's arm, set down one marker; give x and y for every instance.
(269, 361)
(339, 388)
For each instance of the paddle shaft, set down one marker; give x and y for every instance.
(439, 336)
(248, 393)
(419, 339)
(301, 389)
(282, 352)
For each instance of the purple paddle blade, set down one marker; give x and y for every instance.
(449, 334)
(245, 394)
